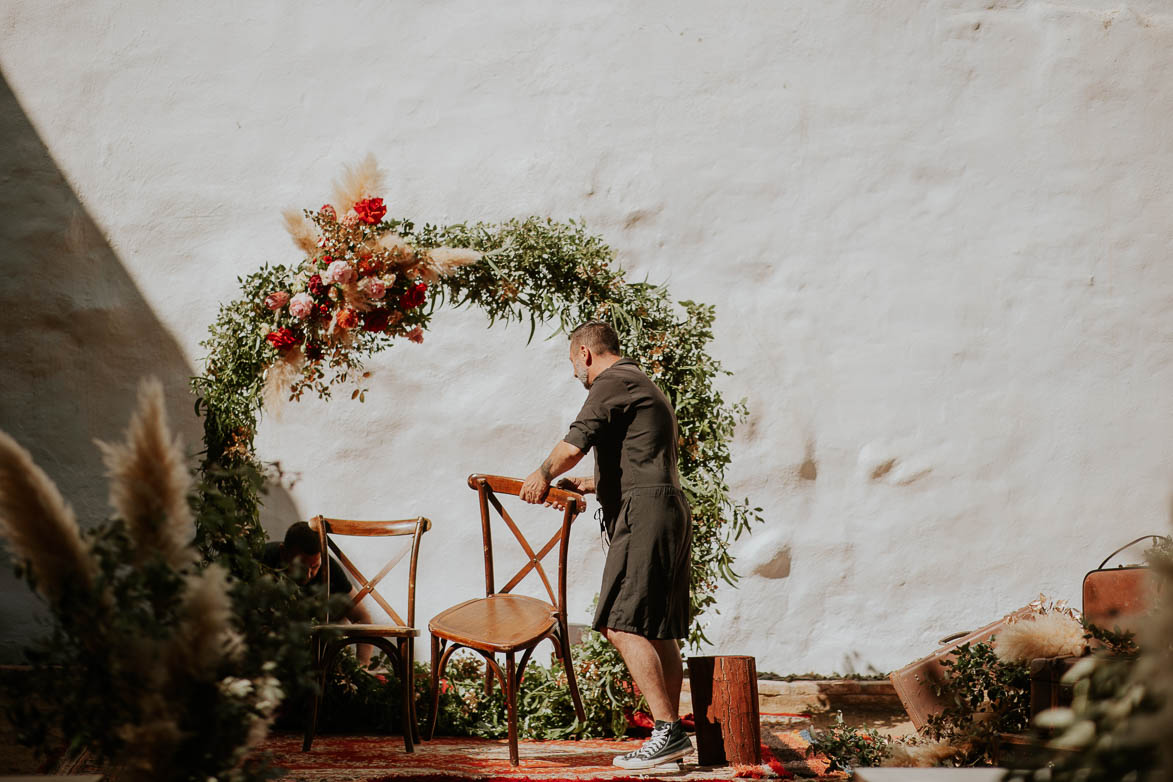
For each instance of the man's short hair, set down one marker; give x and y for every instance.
(301, 538)
(598, 336)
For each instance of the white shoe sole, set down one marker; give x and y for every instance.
(668, 761)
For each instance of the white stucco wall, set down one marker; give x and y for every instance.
(937, 235)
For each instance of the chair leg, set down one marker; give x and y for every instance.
(511, 705)
(405, 686)
(415, 723)
(311, 724)
(489, 674)
(327, 655)
(568, 664)
(434, 711)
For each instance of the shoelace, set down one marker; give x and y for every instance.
(655, 743)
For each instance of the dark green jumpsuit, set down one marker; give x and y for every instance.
(630, 424)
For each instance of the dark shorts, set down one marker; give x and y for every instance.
(646, 577)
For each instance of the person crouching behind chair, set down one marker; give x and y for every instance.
(299, 557)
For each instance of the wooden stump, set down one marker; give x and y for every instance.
(725, 707)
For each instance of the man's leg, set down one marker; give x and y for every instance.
(670, 662)
(657, 678)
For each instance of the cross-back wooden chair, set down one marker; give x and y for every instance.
(396, 640)
(505, 623)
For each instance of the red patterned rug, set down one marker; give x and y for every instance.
(382, 759)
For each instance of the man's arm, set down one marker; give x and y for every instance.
(562, 458)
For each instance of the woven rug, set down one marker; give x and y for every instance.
(382, 759)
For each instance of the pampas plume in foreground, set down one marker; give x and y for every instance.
(184, 642)
(39, 525)
(149, 483)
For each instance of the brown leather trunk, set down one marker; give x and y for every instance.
(916, 682)
(1116, 598)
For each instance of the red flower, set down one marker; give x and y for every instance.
(347, 319)
(315, 285)
(367, 267)
(283, 339)
(414, 296)
(376, 320)
(370, 210)
(324, 311)
(328, 211)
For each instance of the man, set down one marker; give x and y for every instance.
(644, 600)
(299, 556)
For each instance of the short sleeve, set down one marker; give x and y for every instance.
(606, 398)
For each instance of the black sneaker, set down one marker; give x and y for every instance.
(668, 743)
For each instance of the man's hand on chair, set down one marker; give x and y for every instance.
(535, 488)
(578, 485)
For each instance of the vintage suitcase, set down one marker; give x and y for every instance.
(916, 682)
(1114, 598)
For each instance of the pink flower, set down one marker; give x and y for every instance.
(327, 211)
(340, 272)
(416, 335)
(277, 300)
(373, 287)
(301, 306)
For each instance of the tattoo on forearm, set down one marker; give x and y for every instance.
(545, 470)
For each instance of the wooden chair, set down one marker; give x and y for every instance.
(397, 640)
(506, 623)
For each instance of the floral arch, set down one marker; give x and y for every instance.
(366, 280)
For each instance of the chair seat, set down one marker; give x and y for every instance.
(386, 631)
(498, 623)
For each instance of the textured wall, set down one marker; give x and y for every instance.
(937, 235)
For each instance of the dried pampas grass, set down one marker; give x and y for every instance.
(302, 231)
(204, 636)
(39, 525)
(1055, 634)
(922, 755)
(151, 741)
(357, 183)
(279, 378)
(440, 261)
(149, 482)
(399, 252)
(448, 259)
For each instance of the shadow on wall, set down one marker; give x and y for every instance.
(77, 338)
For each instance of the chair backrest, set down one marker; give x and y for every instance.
(487, 488)
(330, 528)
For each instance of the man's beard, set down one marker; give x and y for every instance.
(583, 376)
